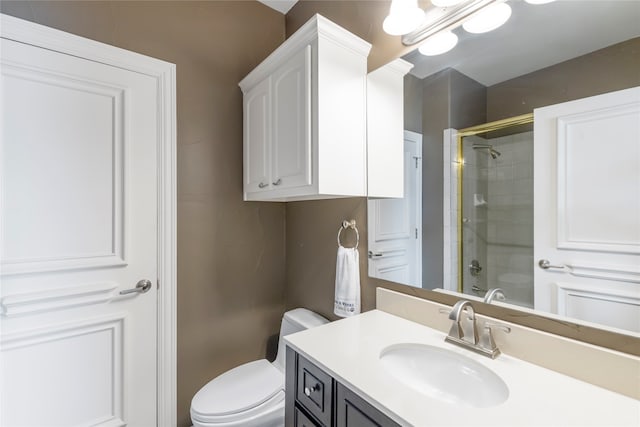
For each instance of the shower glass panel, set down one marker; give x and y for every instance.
(496, 216)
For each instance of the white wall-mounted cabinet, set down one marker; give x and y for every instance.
(385, 129)
(305, 117)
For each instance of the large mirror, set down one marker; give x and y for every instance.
(478, 213)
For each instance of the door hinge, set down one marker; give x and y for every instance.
(416, 159)
(416, 232)
(157, 283)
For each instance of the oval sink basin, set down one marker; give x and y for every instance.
(444, 375)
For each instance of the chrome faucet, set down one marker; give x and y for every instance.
(495, 293)
(467, 336)
(458, 330)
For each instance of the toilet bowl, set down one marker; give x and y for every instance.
(252, 394)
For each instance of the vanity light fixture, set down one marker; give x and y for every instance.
(404, 17)
(445, 19)
(488, 19)
(438, 43)
(435, 30)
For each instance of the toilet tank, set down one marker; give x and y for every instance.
(294, 321)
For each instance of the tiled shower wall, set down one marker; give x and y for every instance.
(498, 216)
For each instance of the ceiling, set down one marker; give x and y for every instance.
(281, 6)
(535, 37)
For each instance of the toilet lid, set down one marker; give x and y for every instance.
(239, 390)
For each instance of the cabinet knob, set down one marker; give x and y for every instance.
(308, 391)
(262, 185)
(278, 182)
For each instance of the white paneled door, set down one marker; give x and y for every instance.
(79, 186)
(587, 209)
(395, 224)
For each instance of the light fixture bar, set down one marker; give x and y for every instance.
(453, 17)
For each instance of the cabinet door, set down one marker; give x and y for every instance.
(301, 420)
(291, 141)
(353, 411)
(257, 138)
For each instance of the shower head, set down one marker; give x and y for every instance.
(493, 153)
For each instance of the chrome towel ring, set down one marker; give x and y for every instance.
(349, 224)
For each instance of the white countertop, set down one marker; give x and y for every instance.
(349, 351)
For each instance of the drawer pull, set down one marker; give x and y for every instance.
(308, 391)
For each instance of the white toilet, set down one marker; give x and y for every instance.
(252, 394)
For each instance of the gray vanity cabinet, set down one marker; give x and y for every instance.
(315, 399)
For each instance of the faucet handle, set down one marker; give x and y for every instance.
(489, 326)
(486, 339)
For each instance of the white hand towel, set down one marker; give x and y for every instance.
(347, 299)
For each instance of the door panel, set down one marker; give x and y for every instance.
(89, 378)
(58, 131)
(585, 198)
(79, 225)
(587, 208)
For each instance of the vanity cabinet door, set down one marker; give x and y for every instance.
(353, 411)
(301, 420)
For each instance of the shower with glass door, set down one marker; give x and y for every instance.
(495, 209)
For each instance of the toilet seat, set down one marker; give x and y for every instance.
(245, 392)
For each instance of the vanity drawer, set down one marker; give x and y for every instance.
(314, 390)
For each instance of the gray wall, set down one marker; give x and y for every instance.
(606, 70)
(413, 103)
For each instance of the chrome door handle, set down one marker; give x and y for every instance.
(546, 265)
(278, 182)
(262, 185)
(141, 287)
(375, 255)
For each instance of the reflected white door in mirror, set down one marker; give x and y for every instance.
(395, 225)
(587, 209)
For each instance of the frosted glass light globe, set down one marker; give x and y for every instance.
(404, 17)
(438, 43)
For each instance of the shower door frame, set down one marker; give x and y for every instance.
(459, 161)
